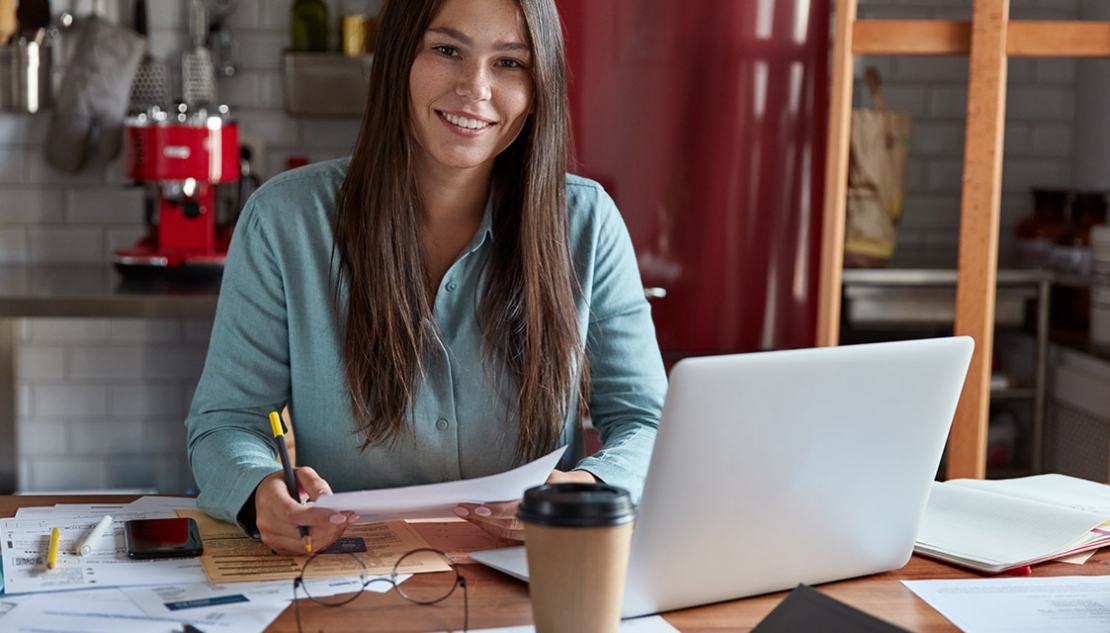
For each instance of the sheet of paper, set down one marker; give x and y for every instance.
(34, 512)
(1077, 559)
(1066, 604)
(212, 601)
(985, 526)
(439, 500)
(105, 611)
(152, 503)
(147, 507)
(251, 608)
(7, 603)
(1072, 492)
(24, 544)
(229, 556)
(650, 624)
(142, 508)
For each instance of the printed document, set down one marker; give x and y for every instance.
(650, 624)
(230, 556)
(25, 542)
(439, 500)
(1066, 604)
(107, 611)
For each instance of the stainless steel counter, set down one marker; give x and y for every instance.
(78, 291)
(914, 297)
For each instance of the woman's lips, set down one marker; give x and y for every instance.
(465, 125)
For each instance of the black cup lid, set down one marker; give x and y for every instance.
(576, 505)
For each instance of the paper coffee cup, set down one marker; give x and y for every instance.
(577, 537)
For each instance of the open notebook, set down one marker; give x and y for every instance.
(778, 468)
(995, 526)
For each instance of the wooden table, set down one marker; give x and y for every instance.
(497, 600)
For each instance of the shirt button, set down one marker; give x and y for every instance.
(451, 286)
(442, 424)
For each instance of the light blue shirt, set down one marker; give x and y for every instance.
(276, 340)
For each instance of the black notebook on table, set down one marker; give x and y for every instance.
(806, 610)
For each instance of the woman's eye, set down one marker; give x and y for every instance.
(511, 63)
(443, 49)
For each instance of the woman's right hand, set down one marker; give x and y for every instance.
(278, 516)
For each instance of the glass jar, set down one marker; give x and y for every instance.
(309, 24)
(358, 26)
(1037, 234)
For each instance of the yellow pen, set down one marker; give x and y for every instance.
(287, 466)
(52, 556)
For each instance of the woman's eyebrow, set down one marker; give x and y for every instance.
(465, 39)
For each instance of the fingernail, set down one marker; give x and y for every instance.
(461, 511)
(354, 518)
(482, 511)
(338, 518)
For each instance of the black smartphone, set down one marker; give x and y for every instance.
(162, 538)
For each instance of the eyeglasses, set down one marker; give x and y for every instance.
(432, 589)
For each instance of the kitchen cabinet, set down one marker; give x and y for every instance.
(888, 304)
(78, 291)
(325, 84)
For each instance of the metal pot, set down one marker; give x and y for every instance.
(25, 76)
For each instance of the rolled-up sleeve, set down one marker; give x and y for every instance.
(246, 375)
(628, 381)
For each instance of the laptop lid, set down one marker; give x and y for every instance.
(778, 468)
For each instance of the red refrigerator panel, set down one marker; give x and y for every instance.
(706, 122)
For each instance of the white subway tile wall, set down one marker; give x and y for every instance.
(101, 401)
(1038, 145)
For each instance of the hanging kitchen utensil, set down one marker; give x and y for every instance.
(197, 74)
(220, 35)
(7, 20)
(152, 79)
(32, 15)
(91, 104)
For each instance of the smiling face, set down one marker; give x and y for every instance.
(470, 85)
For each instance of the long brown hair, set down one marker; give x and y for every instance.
(529, 319)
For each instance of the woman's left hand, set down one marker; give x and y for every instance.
(499, 519)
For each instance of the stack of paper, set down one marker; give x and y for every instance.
(106, 591)
(994, 526)
(161, 595)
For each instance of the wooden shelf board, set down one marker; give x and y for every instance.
(953, 37)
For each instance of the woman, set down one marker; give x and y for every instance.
(438, 307)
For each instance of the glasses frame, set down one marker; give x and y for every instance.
(460, 580)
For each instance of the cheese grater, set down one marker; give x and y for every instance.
(198, 77)
(151, 85)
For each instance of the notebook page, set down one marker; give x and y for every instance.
(980, 525)
(1061, 490)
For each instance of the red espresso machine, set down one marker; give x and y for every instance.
(180, 156)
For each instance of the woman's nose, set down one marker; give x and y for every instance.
(474, 84)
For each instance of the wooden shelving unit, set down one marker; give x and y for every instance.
(989, 40)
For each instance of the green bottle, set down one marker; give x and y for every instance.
(310, 26)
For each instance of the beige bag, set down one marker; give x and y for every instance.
(877, 164)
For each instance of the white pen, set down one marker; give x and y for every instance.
(85, 546)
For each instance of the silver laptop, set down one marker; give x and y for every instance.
(778, 468)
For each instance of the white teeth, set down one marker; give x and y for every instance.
(472, 124)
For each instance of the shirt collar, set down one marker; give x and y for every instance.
(485, 229)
